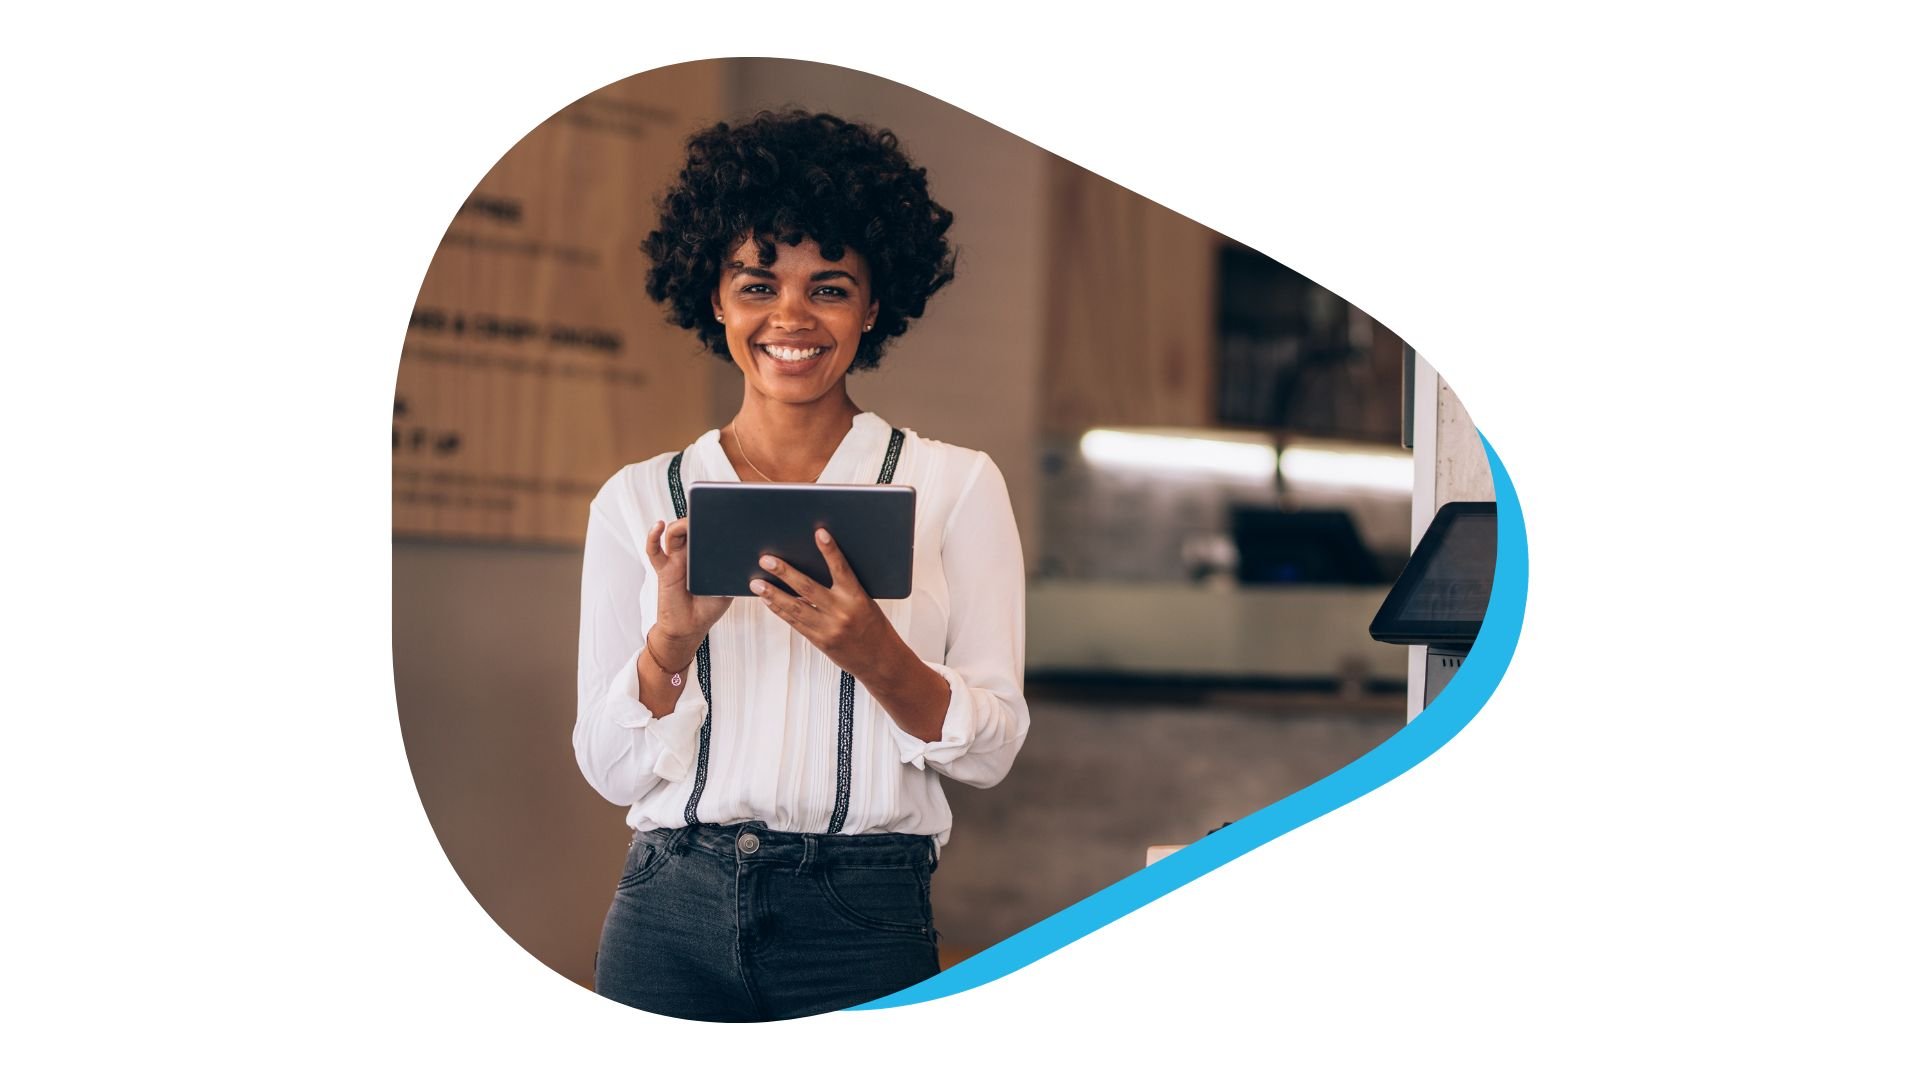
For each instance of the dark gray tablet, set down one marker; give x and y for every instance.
(1441, 596)
(729, 526)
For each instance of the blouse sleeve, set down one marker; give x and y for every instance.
(986, 648)
(623, 750)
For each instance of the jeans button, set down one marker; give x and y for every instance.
(749, 843)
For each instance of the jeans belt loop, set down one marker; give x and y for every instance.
(808, 849)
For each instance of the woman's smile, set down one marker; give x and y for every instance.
(792, 360)
(788, 355)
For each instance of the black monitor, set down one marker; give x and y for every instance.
(1441, 596)
(1301, 547)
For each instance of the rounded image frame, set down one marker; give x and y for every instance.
(1163, 483)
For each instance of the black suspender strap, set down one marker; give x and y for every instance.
(843, 785)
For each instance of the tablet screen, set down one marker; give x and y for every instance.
(1458, 578)
(1441, 597)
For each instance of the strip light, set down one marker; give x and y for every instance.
(1309, 466)
(1236, 459)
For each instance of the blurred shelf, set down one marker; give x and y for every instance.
(1277, 636)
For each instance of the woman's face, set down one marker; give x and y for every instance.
(794, 327)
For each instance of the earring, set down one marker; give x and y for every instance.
(869, 328)
(717, 317)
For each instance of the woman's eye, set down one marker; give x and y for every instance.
(833, 291)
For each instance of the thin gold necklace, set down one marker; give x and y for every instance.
(763, 475)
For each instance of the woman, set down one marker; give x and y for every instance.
(782, 754)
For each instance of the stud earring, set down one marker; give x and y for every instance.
(717, 317)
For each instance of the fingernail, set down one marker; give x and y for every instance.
(769, 562)
(757, 586)
(821, 535)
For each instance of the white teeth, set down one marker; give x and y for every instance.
(792, 355)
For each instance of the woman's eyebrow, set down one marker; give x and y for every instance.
(762, 272)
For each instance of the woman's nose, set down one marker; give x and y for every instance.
(791, 313)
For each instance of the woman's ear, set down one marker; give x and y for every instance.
(873, 314)
(715, 299)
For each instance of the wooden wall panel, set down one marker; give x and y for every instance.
(535, 366)
(1131, 309)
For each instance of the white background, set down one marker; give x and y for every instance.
(1664, 253)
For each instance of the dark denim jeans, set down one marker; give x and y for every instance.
(737, 922)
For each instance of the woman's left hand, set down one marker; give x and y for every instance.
(841, 620)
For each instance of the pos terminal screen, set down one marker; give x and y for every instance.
(1441, 596)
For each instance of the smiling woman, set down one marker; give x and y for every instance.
(780, 758)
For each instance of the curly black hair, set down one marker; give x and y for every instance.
(795, 176)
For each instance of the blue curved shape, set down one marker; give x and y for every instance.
(1469, 689)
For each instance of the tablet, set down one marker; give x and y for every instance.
(1441, 596)
(729, 526)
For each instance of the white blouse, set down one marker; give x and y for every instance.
(773, 748)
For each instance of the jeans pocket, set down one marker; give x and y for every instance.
(644, 859)
(893, 899)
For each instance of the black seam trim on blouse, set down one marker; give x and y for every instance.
(703, 663)
(843, 779)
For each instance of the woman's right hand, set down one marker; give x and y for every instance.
(684, 618)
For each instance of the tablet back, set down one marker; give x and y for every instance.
(731, 525)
